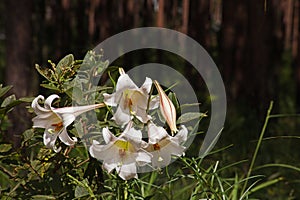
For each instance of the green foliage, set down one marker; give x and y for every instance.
(7, 103)
(36, 172)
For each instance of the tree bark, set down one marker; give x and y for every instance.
(185, 15)
(19, 69)
(231, 31)
(200, 23)
(160, 14)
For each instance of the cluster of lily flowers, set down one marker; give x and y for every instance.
(128, 151)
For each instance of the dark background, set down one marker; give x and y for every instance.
(255, 44)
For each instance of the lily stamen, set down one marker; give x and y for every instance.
(57, 126)
(156, 147)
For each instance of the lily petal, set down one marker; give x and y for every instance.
(50, 139)
(45, 120)
(121, 116)
(109, 166)
(160, 159)
(139, 99)
(181, 136)
(175, 148)
(142, 116)
(78, 110)
(107, 135)
(163, 157)
(104, 152)
(156, 133)
(131, 133)
(112, 99)
(36, 106)
(124, 82)
(146, 87)
(143, 158)
(65, 138)
(127, 172)
(154, 103)
(49, 100)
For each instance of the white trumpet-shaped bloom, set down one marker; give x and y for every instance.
(131, 100)
(167, 108)
(123, 153)
(162, 146)
(56, 120)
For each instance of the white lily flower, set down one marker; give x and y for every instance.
(167, 108)
(56, 120)
(162, 146)
(123, 153)
(131, 100)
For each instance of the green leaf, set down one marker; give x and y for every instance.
(101, 66)
(45, 72)
(173, 98)
(188, 105)
(80, 192)
(26, 99)
(5, 147)
(235, 189)
(77, 95)
(64, 63)
(4, 90)
(8, 100)
(186, 117)
(11, 102)
(4, 181)
(28, 135)
(265, 184)
(2, 111)
(41, 197)
(83, 184)
(51, 87)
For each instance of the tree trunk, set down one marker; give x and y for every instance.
(261, 45)
(160, 14)
(200, 23)
(19, 69)
(233, 39)
(185, 16)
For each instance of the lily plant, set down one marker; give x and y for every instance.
(127, 151)
(56, 120)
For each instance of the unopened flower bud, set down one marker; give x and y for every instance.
(167, 108)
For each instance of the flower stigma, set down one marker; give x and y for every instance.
(127, 100)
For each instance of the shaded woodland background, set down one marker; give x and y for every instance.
(255, 44)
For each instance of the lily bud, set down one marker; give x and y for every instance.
(121, 71)
(167, 108)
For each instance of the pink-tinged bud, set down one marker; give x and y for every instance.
(167, 108)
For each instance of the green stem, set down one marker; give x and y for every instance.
(284, 115)
(119, 191)
(122, 190)
(258, 146)
(84, 185)
(202, 181)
